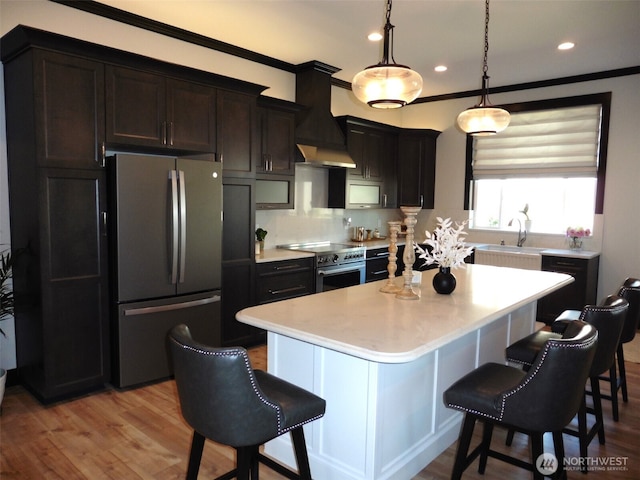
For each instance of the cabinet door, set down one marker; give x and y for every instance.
(136, 107)
(237, 134)
(416, 169)
(374, 151)
(238, 249)
(69, 109)
(191, 116)
(277, 143)
(356, 139)
(74, 280)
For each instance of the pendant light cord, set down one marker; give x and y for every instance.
(485, 68)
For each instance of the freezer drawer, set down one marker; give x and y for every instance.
(142, 327)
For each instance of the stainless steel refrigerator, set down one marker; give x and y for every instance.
(166, 240)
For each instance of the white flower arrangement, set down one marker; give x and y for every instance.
(447, 242)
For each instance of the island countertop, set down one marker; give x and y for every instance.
(363, 322)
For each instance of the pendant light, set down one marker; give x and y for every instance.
(484, 119)
(387, 85)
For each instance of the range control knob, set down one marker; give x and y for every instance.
(335, 258)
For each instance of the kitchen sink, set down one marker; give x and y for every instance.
(511, 249)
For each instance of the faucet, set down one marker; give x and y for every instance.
(522, 234)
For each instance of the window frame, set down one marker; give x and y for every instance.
(603, 99)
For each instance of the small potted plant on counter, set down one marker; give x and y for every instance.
(260, 236)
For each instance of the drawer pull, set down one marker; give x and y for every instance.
(288, 267)
(287, 290)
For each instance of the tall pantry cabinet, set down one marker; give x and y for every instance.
(55, 112)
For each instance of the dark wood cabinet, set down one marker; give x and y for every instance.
(238, 138)
(277, 129)
(417, 167)
(57, 190)
(372, 184)
(238, 268)
(377, 260)
(145, 109)
(284, 279)
(582, 291)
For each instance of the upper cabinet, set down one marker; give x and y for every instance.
(59, 82)
(238, 140)
(417, 167)
(277, 146)
(145, 109)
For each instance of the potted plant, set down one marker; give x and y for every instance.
(6, 305)
(260, 236)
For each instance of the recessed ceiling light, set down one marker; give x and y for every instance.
(375, 36)
(566, 46)
(441, 68)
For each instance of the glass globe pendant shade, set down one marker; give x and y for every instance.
(483, 121)
(387, 85)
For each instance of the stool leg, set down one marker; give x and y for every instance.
(536, 451)
(509, 439)
(243, 462)
(463, 446)
(582, 431)
(487, 432)
(197, 444)
(623, 373)
(597, 407)
(300, 447)
(558, 448)
(613, 380)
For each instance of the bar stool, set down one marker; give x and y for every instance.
(223, 399)
(608, 319)
(630, 291)
(544, 399)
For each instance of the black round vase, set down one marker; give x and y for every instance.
(444, 281)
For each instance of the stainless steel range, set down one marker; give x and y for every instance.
(337, 265)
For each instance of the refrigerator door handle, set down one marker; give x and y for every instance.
(172, 306)
(174, 225)
(183, 226)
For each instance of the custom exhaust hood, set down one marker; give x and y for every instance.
(318, 136)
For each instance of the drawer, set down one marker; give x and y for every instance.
(285, 279)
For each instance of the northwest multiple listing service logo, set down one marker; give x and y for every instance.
(547, 464)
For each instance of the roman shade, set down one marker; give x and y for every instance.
(542, 143)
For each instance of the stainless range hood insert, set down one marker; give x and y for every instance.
(319, 138)
(325, 157)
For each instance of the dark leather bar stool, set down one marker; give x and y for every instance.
(544, 399)
(630, 291)
(608, 319)
(617, 378)
(226, 401)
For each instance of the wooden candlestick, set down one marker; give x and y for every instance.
(390, 286)
(409, 256)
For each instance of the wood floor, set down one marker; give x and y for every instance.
(140, 434)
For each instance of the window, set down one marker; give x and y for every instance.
(552, 157)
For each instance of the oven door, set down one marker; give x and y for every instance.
(339, 276)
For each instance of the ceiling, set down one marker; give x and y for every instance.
(523, 34)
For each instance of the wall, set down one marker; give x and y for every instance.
(617, 230)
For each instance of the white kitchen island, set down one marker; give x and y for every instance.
(382, 363)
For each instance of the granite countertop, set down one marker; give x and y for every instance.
(363, 322)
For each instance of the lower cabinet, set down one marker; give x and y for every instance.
(284, 279)
(574, 296)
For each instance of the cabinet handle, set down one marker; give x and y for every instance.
(270, 163)
(170, 135)
(287, 290)
(288, 267)
(566, 264)
(104, 223)
(421, 201)
(164, 133)
(103, 155)
(382, 254)
(380, 272)
(384, 199)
